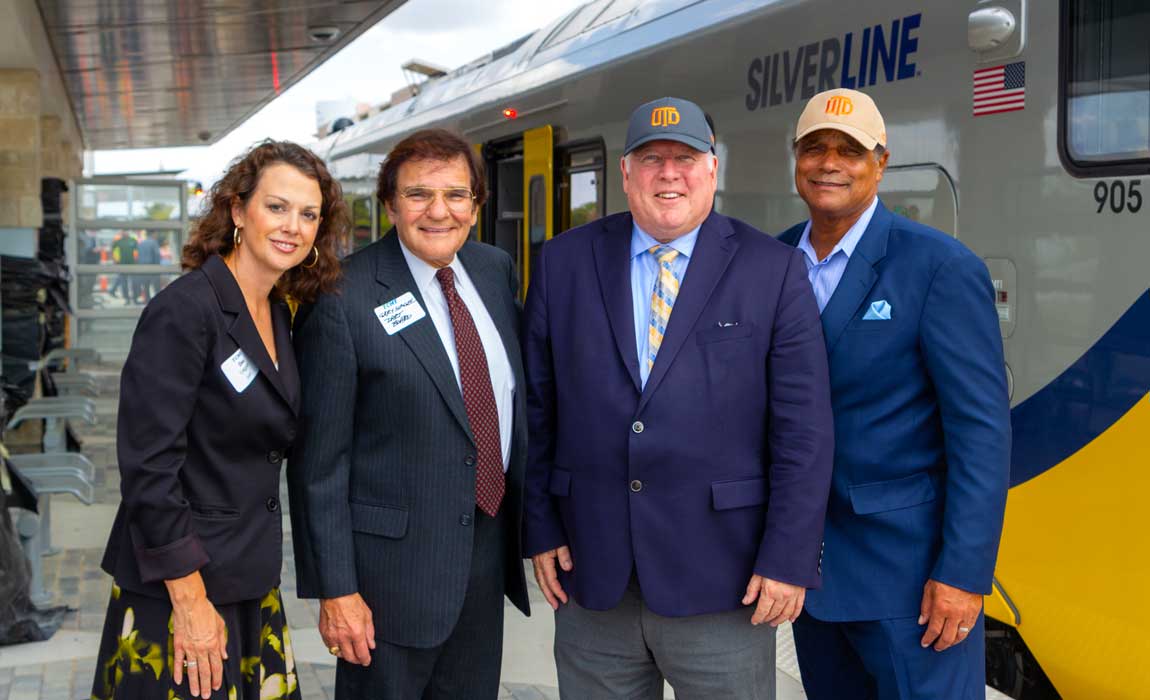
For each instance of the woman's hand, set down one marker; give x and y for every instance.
(199, 635)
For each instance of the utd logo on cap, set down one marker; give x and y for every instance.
(664, 116)
(840, 105)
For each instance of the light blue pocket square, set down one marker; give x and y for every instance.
(878, 311)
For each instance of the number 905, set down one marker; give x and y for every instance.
(1119, 195)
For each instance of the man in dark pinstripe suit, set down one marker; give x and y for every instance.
(406, 482)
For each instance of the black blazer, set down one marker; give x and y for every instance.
(382, 480)
(199, 460)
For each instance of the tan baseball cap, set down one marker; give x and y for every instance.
(852, 112)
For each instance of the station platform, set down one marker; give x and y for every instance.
(63, 667)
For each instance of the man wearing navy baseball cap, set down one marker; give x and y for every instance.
(677, 382)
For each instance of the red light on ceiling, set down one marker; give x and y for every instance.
(510, 113)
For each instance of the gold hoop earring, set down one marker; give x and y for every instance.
(236, 236)
(315, 262)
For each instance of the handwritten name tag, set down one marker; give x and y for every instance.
(399, 313)
(239, 370)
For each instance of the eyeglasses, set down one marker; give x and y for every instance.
(457, 199)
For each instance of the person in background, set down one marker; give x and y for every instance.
(148, 253)
(124, 251)
(209, 404)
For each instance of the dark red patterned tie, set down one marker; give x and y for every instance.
(478, 398)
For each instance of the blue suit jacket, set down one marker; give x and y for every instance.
(675, 479)
(922, 424)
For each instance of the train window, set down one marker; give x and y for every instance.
(362, 209)
(1104, 114)
(581, 187)
(924, 193)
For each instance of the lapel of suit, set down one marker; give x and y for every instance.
(392, 273)
(242, 328)
(858, 277)
(613, 262)
(792, 235)
(713, 252)
(493, 290)
(288, 372)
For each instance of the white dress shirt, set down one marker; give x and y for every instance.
(498, 364)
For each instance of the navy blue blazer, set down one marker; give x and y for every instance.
(199, 460)
(922, 423)
(720, 466)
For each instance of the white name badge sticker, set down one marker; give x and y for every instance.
(399, 313)
(239, 370)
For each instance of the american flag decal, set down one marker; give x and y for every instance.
(1000, 89)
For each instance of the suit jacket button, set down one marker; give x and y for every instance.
(469, 460)
(465, 520)
(637, 427)
(636, 486)
(273, 505)
(274, 456)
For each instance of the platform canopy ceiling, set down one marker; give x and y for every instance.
(155, 73)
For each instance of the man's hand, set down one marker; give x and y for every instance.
(949, 613)
(345, 622)
(778, 601)
(548, 578)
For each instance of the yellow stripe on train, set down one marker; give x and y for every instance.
(1081, 575)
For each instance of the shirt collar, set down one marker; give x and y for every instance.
(641, 241)
(847, 243)
(423, 273)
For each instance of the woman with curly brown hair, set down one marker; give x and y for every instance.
(209, 399)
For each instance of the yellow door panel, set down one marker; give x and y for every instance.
(538, 189)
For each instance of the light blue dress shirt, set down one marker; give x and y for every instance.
(644, 275)
(825, 274)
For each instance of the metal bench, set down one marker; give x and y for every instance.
(55, 411)
(75, 384)
(63, 472)
(73, 355)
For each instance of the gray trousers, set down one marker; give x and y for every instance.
(627, 652)
(467, 665)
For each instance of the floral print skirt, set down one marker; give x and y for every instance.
(135, 659)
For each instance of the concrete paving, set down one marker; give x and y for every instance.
(63, 667)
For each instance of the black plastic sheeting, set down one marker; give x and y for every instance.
(35, 298)
(34, 312)
(20, 621)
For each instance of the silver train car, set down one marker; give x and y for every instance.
(1022, 127)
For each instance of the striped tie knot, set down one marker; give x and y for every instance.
(665, 254)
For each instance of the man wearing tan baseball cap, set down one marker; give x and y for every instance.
(922, 428)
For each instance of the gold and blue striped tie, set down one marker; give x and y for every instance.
(666, 289)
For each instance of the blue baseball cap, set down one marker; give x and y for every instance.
(670, 119)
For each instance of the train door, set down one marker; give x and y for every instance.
(538, 188)
(518, 216)
(502, 219)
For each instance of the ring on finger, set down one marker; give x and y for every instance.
(963, 630)
(191, 664)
